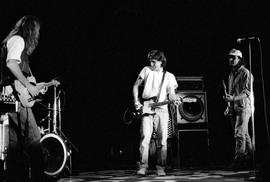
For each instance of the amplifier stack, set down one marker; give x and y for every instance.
(192, 122)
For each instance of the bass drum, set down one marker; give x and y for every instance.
(56, 153)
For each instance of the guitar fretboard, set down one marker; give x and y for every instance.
(160, 103)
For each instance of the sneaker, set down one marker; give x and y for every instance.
(141, 171)
(161, 172)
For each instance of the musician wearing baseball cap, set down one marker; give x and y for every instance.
(240, 98)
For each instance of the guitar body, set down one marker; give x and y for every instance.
(23, 94)
(148, 108)
(131, 114)
(25, 97)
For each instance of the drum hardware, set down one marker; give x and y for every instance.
(57, 154)
(8, 103)
(4, 142)
(57, 147)
(46, 129)
(4, 135)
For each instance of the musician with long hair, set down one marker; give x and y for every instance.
(24, 158)
(158, 86)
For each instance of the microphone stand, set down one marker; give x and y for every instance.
(262, 171)
(252, 107)
(58, 101)
(55, 111)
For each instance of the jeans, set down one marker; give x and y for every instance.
(159, 123)
(243, 143)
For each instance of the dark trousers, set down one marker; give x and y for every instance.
(25, 161)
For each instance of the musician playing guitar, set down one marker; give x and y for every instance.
(158, 86)
(24, 144)
(241, 100)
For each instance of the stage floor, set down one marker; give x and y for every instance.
(172, 176)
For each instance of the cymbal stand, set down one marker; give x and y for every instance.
(59, 114)
(48, 118)
(57, 126)
(55, 110)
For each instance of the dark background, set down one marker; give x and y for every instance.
(96, 49)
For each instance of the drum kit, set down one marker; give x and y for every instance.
(56, 146)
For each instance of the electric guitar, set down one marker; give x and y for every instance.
(229, 109)
(148, 108)
(25, 97)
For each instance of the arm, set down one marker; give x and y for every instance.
(171, 90)
(16, 71)
(135, 90)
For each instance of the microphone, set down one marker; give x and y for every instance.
(245, 38)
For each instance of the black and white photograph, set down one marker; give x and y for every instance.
(134, 90)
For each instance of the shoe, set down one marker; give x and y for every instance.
(161, 172)
(141, 171)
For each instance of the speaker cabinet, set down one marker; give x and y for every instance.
(193, 108)
(193, 148)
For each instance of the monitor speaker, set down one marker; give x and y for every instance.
(193, 108)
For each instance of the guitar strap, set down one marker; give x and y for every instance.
(161, 85)
(30, 71)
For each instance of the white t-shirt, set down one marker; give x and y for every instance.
(15, 46)
(152, 81)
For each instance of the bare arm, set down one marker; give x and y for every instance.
(230, 98)
(138, 82)
(16, 71)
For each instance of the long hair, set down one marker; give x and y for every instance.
(26, 27)
(158, 55)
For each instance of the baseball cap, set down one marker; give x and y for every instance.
(235, 52)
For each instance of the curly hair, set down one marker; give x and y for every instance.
(26, 27)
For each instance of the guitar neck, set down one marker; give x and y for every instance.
(160, 103)
(46, 85)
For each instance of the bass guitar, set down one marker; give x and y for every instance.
(148, 108)
(25, 97)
